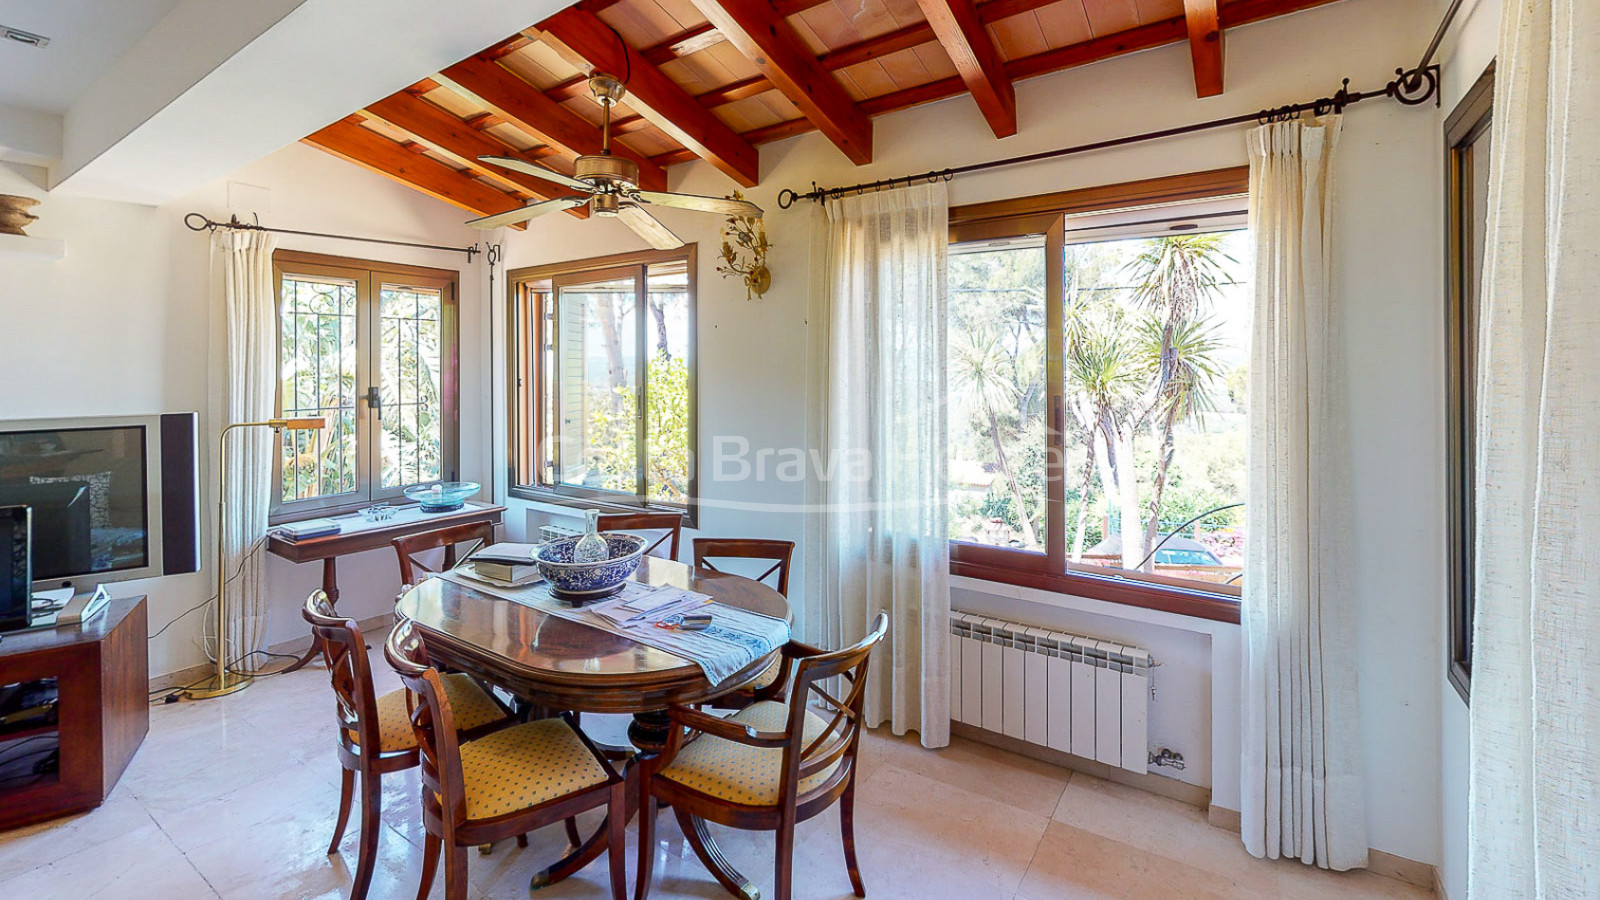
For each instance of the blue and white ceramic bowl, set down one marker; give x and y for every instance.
(580, 581)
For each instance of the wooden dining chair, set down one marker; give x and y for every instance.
(375, 735)
(767, 767)
(479, 534)
(664, 546)
(517, 779)
(776, 552)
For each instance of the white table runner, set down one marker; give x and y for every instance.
(736, 638)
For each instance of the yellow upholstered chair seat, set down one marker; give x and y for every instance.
(768, 677)
(526, 765)
(741, 774)
(471, 705)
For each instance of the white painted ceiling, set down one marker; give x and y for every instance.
(86, 37)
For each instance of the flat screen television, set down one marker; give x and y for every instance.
(112, 498)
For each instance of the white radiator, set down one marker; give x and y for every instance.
(554, 532)
(1079, 695)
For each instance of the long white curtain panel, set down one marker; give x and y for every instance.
(1302, 791)
(877, 532)
(250, 298)
(1534, 820)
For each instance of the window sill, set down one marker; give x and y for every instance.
(1110, 589)
(550, 497)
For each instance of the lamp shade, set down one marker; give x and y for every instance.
(305, 424)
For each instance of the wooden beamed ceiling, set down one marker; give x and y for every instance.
(714, 79)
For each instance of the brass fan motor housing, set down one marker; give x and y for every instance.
(607, 172)
(607, 89)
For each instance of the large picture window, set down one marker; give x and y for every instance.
(372, 348)
(1098, 353)
(603, 360)
(1467, 143)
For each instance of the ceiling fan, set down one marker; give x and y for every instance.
(611, 185)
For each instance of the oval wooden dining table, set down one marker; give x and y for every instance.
(559, 664)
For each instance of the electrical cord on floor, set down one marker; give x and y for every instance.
(175, 694)
(257, 673)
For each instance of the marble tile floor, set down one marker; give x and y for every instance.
(234, 798)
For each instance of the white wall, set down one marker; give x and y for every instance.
(752, 366)
(125, 325)
(1467, 51)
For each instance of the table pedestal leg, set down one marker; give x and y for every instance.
(649, 731)
(330, 586)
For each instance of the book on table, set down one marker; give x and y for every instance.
(309, 528)
(507, 562)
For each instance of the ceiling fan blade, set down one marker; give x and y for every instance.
(646, 226)
(528, 168)
(531, 211)
(722, 207)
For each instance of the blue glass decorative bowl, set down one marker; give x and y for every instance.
(443, 496)
(582, 581)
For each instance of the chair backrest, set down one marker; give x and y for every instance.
(805, 756)
(409, 546)
(664, 546)
(778, 552)
(433, 722)
(345, 651)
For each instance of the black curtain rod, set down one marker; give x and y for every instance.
(1410, 87)
(206, 224)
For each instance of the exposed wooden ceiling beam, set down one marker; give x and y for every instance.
(501, 91)
(657, 97)
(1144, 37)
(768, 41)
(1205, 45)
(969, 47)
(373, 151)
(460, 140)
(685, 42)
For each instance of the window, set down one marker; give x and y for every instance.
(603, 361)
(372, 348)
(1098, 350)
(1467, 142)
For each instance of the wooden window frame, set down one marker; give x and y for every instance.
(525, 401)
(370, 276)
(1463, 128)
(1045, 214)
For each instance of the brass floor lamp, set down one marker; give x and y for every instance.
(225, 681)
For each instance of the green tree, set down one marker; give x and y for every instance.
(1177, 278)
(981, 365)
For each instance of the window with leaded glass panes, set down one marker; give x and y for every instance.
(371, 348)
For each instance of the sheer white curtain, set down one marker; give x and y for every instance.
(251, 300)
(876, 534)
(1302, 788)
(1534, 820)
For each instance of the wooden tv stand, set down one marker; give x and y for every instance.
(103, 711)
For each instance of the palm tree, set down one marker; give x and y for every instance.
(981, 365)
(1178, 276)
(1102, 371)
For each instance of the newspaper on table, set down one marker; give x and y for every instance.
(735, 638)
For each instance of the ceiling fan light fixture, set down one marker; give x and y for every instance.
(611, 183)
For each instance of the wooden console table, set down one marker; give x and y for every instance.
(328, 549)
(102, 676)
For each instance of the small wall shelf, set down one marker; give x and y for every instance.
(22, 245)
